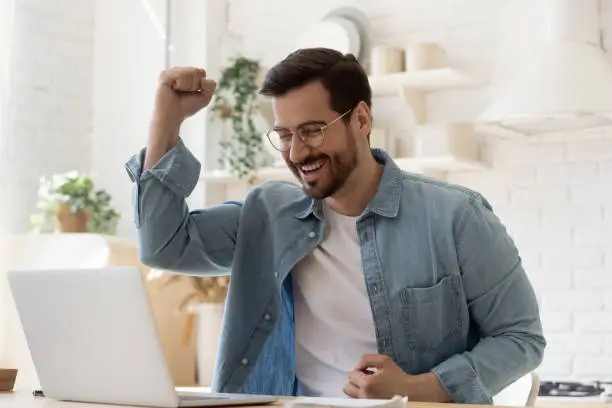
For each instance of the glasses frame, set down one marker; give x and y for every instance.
(297, 132)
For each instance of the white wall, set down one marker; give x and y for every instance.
(553, 196)
(129, 53)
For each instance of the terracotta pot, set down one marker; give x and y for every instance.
(72, 222)
(224, 112)
(7, 379)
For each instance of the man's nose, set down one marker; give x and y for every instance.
(298, 151)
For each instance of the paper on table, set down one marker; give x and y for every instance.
(314, 402)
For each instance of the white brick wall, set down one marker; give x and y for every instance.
(554, 196)
(50, 95)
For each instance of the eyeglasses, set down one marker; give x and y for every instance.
(311, 134)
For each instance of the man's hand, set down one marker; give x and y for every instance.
(181, 93)
(377, 376)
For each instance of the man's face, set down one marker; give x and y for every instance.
(325, 168)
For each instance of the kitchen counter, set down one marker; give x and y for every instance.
(574, 403)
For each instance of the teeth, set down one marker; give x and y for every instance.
(314, 166)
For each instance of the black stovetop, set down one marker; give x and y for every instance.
(571, 389)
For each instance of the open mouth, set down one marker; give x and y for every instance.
(312, 170)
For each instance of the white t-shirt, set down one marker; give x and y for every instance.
(334, 327)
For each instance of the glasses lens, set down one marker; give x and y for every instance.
(312, 135)
(279, 141)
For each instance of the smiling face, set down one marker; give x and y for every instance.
(314, 89)
(323, 165)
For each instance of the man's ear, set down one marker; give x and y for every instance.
(364, 119)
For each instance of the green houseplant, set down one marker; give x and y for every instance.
(236, 104)
(68, 202)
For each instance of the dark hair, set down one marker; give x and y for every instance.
(341, 75)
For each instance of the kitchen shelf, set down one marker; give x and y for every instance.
(442, 163)
(425, 80)
(410, 86)
(449, 147)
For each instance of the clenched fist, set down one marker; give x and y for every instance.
(181, 93)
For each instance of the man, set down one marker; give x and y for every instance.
(364, 281)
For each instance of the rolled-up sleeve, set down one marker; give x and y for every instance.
(170, 236)
(502, 305)
(178, 169)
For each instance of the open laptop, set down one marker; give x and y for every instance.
(93, 338)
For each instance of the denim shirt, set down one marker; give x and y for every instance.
(446, 286)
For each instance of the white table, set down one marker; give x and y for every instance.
(26, 400)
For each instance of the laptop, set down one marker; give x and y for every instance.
(93, 338)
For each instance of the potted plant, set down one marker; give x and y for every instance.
(236, 103)
(203, 308)
(68, 202)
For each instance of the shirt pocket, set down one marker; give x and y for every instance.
(434, 316)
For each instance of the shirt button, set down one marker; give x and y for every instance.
(276, 274)
(244, 361)
(267, 316)
(311, 234)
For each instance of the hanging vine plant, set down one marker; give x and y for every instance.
(235, 104)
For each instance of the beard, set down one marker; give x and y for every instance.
(334, 173)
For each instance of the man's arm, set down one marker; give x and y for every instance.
(164, 175)
(502, 304)
(170, 236)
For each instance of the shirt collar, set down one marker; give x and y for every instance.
(386, 201)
